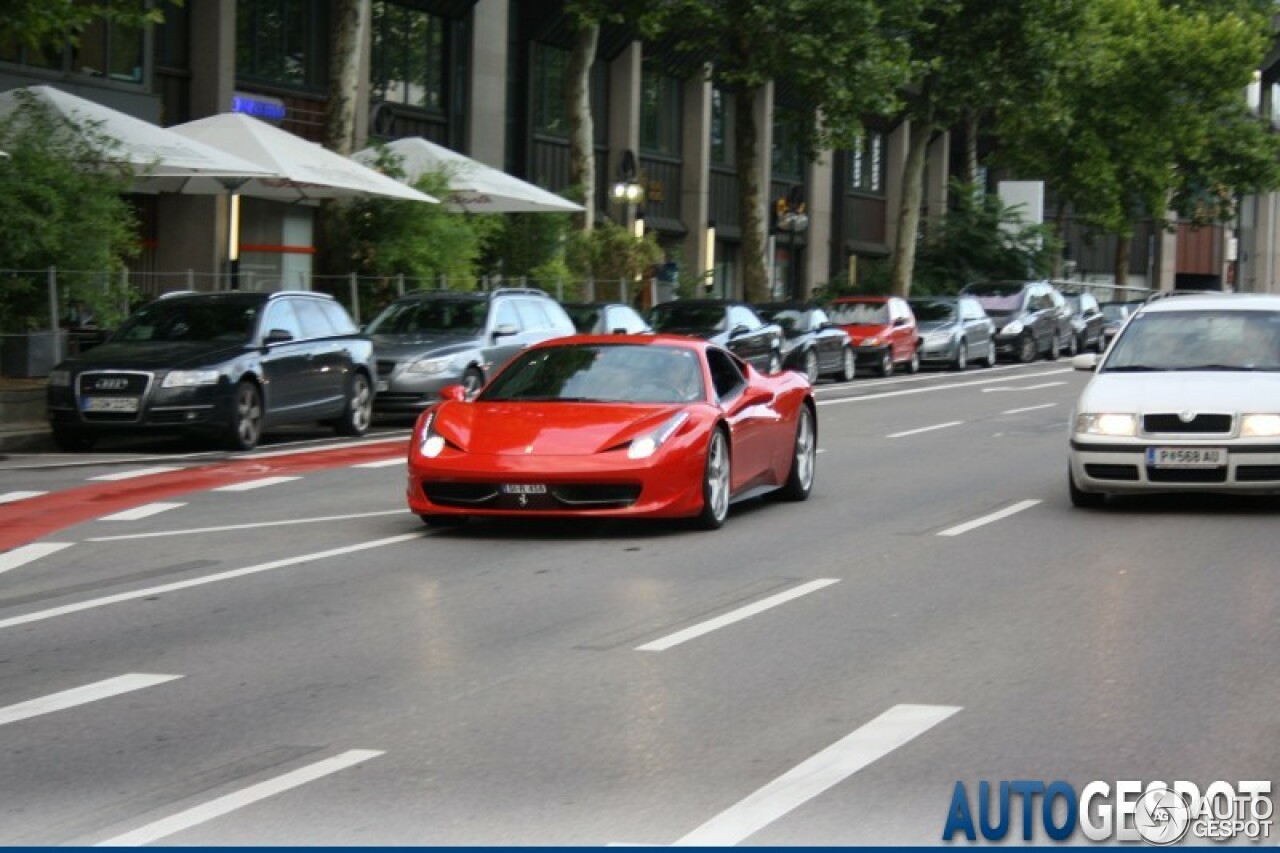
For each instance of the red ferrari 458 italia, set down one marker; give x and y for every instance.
(619, 425)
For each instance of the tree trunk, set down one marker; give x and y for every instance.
(755, 274)
(904, 253)
(344, 74)
(1060, 231)
(582, 155)
(971, 150)
(1124, 243)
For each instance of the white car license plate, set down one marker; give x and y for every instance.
(109, 404)
(523, 489)
(1186, 457)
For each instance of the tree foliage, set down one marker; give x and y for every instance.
(39, 24)
(59, 207)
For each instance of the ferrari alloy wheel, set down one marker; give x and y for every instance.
(811, 366)
(848, 366)
(800, 480)
(715, 483)
(358, 413)
(246, 417)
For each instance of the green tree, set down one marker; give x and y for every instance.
(38, 24)
(610, 253)
(844, 59)
(59, 207)
(971, 59)
(1149, 117)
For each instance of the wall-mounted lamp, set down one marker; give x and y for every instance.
(638, 226)
(709, 258)
(627, 188)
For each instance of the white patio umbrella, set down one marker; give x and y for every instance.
(162, 161)
(303, 170)
(473, 186)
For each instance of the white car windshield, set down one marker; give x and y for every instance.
(1198, 340)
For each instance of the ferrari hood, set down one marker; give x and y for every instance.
(546, 429)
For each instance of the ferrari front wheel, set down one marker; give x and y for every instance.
(800, 480)
(715, 483)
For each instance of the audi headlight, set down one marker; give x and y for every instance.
(189, 378)
(430, 443)
(1107, 424)
(1014, 328)
(646, 445)
(1260, 426)
(59, 377)
(431, 366)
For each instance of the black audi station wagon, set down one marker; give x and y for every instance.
(226, 365)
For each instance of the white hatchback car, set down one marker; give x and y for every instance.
(1187, 399)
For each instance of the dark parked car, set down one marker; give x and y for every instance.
(1115, 315)
(1031, 318)
(1087, 320)
(811, 343)
(731, 324)
(605, 318)
(433, 338)
(229, 365)
(954, 330)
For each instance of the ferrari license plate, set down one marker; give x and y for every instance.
(523, 489)
(1186, 457)
(109, 404)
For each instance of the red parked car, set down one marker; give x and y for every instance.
(883, 331)
(615, 425)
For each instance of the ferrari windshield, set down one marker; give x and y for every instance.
(1198, 340)
(431, 317)
(601, 373)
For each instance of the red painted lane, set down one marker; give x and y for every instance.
(34, 518)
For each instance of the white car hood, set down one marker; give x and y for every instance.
(1222, 391)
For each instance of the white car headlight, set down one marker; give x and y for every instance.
(59, 377)
(1107, 424)
(1014, 328)
(189, 378)
(431, 366)
(430, 443)
(646, 445)
(934, 339)
(1260, 426)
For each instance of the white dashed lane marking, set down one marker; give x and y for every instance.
(250, 485)
(144, 511)
(382, 463)
(24, 554)
(10, 497)
(987, 519)
(137, 472)
(81, 696)
(1028, 409)
(734, 616)
(906, 433)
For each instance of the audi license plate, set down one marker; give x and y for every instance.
(523, 489)
(1186, 457)
(109, 404)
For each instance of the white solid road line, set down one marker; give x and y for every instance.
(81, 696)
(253, 525)
(239, 799)
(1026, 387)
(24, 554)
(250, 485)
(892, 729)
(41, 615)
(143, 511)
(1028, 409)
(923, 429)
(10, 497)
(383, 463)
(932, 388)
(734, 616)
(137, 472)
(987, 519)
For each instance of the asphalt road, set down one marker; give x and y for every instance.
(268, 648)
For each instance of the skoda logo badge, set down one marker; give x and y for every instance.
(1186, 416)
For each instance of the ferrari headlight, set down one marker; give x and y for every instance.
(646, 445)
(430, 443)
(1014, 328)
(431, 366)
(1106, 424)
(1260, 426)
(189, 378)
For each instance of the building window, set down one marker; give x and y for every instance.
(550, 113)
(106, 50)
(659, 113)
(723, 120)
(866, 164)
(788, 146)
(408, 58)
(283, 42)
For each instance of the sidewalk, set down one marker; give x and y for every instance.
(22, 422)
